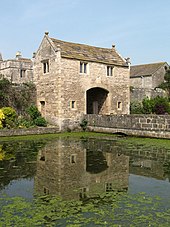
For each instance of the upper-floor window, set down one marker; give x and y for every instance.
(110, 70)
(22, 73)
(46, 66)
(83, 67)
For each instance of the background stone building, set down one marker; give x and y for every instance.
(144, 80)
(75, 79)
(18, 70)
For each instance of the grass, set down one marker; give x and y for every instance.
(59, 135)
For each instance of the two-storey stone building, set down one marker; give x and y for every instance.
(18, 70)
(75, 79)
(144, 80)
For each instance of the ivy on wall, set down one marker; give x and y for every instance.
(19, 97)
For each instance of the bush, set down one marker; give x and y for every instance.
(157, 105)
(40, 121)
(136, 107)
(23, 122)
(9, 117)
(161, 105)
(33, 112)
(2, 117)
(83, 124)
(148, 105)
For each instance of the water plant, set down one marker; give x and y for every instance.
(111, 209)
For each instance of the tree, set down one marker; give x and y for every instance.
(166, 84)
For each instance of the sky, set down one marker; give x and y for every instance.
(140, 29)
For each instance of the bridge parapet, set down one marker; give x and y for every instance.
(138, 125)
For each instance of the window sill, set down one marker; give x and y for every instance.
(83, 74)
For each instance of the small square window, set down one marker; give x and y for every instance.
(42, 103)
(110, 71)
(73, 104)
(119, 105)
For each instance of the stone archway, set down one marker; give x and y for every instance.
(96, 101)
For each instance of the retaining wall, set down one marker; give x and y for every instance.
(30, 131)
(137, 125)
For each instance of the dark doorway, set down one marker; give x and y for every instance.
(96, 101)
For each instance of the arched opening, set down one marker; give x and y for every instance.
(96, 101)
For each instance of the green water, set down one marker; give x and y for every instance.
(84, 180)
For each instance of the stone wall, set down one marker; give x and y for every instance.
(138, 94)
(30, 131)
(17, 71)
(137, 125)
(141, 82)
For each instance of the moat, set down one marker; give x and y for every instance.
(85, 169)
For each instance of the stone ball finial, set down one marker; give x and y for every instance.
(113, 45)
(18, 54)
(46, 33)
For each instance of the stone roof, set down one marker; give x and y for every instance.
(89, 53)
(145, 70)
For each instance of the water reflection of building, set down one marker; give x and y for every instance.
(148, 168)
(76, 169)
(148, 160)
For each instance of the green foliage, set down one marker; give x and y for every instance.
(33, 112)
(4, 90)
(40, 121)
(147, 106)
(157, 105)
(24, 122)
(161, 105)
(9, 117)
(112, 209)
(136, 108)
(83, 124)
(166, 84)
(19, 97)
(36, 117)
(2, 117)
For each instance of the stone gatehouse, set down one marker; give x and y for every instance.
(76, 79)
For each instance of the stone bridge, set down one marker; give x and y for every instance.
(157, 126)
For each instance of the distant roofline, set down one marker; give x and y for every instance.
(20, 59)
(154, 63)
(145, 70)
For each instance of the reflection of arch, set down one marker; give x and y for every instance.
(95, 162)
(96, 99)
